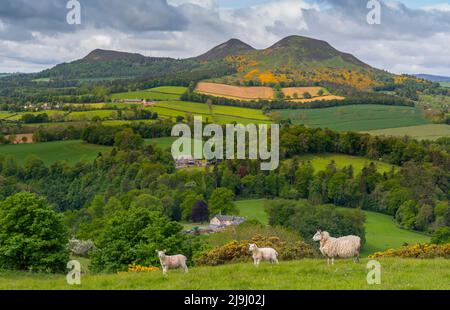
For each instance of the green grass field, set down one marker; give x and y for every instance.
(5, 115)
(445, 84)
(357, 117)
(18, 116)
(306, 274)
(253, 210)
(321, 161)
(50, 152)
(434, 101)
(381, 231)
(88, 115)
(71, 151)
(422, 132)
(159, 93)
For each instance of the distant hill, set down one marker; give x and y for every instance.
(105, 55)
(4, 74)
(433, 78)
(302, 59)
(292, 59)
(229, 48)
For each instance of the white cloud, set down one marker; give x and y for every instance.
(438, 7)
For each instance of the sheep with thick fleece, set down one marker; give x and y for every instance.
(172, 262)
(259, 254)
(344, 247)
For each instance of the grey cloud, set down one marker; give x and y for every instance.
(407, 38)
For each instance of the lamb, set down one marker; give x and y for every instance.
(259, 254)
(344, 247)
(172, 262)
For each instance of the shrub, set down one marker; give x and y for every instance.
(32, 235)
(81, 247)
(237, 251)
(133, 236)
(416, 251)
(441, 236)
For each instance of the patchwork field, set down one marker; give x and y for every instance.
(266, 93)
(357, 117)
(423, 132)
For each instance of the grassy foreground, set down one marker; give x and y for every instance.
(295, 275)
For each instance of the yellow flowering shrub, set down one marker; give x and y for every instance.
(416, 251)
(138, 268)
(237, 251)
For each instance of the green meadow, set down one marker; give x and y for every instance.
(422, 132)
(70, 151)
(50, 152)
(321, 161)
(357, 117)
(159, 93)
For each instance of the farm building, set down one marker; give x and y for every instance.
(226, 220)
(187, 161)
(218, 223)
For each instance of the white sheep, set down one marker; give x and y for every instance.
(344, 247)
(172, 262)
(259, 254)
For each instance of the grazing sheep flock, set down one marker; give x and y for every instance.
(172, 262)
(259, 254)
(344, 247)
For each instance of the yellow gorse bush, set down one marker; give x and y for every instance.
(237, 251)
(138, 268)
(416, 251)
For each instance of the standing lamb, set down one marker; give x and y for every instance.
(344, 247)
(172, 262)
(259, 254)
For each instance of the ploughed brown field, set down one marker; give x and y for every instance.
(266, 93)
(238, 92)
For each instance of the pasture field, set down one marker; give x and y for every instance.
(434, 101)
(321, 161)
(445, 84)
(50, 152)
(307, 274)
(89, 115)
(357, 117)
(50, 113)
(253, 210)
(5, 115)
(159, 93)
(381, 231)
(71, 151)
(422, 132)
(203, 109)
(176, 90)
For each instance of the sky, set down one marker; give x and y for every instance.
(413, 36)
